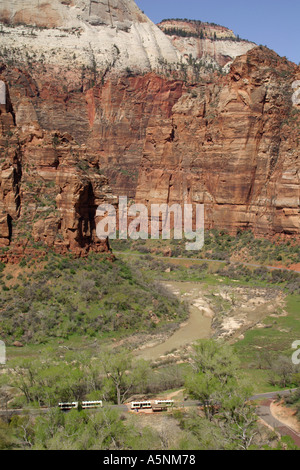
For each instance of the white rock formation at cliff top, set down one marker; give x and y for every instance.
(205, 41)
(112, 31)
(69, 13)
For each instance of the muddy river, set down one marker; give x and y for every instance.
(239, 308)
(198, 326)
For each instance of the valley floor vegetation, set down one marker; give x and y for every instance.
(226, 421)
(93, 297)
(70, 327)
(219, 245)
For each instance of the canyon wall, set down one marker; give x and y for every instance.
(205, 42)
(231, 142)
(103, 35)
(79, 121)
(49, 190)
(233, 145)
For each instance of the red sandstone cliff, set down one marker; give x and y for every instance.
(49, 189)
(167, 135)
(231, 142)
(233, 145)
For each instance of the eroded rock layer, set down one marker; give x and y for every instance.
(207, 42)
(234, 146)
(49, 189)
(100, 90)
(231, 141)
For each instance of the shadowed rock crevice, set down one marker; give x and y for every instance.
(9, 224)
(86, 209)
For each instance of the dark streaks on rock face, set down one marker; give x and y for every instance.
(231, 142)
(48, 198)
(240, 157)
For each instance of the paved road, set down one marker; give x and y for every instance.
(264, 412)
(41, 411)
(187, 403)
(273, 395)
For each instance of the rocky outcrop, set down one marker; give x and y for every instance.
(158, 130)
(230, 142)
(100, 36)
(9, 172)
(206, 43)
(49, 189)
(70, 13)
(234, 146)
(110, 119)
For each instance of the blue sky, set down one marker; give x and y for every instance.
(272, 23)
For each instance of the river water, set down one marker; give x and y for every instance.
(198, 325)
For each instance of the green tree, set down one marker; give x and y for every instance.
(80, 430)
(282, 371)
(7, 438)
(117, 367)
(214, 368)
(238, 418)
(215, 383)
